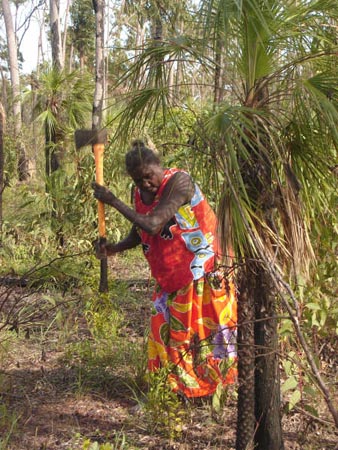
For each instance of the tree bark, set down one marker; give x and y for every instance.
(268, 435)
(23, 165)
(98, 102)
(2, 184)
(99, 93)
(56, 42)
(246, 360)
(218, 78)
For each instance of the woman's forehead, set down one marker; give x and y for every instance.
(143, 170)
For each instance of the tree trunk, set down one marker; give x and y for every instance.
(256, 173)
(98, 103)
(65, 31)
(2, 184)
(246, 361)
(51, 154)
(56, 42)
(23, 171)
(258, 422)
(267, 378)
(52, 146)
(218, 78)
(99, 61)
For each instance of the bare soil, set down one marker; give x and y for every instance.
(41, 397)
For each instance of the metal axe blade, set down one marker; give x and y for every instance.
(90, 137)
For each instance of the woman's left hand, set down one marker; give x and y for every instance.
(103, 194)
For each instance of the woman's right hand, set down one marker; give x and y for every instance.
(103, 194)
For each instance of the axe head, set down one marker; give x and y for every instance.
(90, 137)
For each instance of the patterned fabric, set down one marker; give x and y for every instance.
(194, 331)
(194, 314)
(187, 241)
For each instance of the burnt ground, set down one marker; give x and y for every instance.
(45, 402)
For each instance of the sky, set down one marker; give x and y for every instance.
(29, 44)
(29, 48)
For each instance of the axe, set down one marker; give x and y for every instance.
(97, 139)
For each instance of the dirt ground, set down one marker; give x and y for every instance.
(52, 413)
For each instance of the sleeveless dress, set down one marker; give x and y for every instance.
(194, 314)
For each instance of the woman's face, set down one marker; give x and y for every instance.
(147, 178)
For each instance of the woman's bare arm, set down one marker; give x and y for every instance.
(178, 191)
(130, 241)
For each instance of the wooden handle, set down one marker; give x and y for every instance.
(98, 155)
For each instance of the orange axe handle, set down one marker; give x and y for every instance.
(98, 155)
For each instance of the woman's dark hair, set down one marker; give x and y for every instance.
(140, 155)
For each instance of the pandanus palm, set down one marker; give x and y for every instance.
(62, 104)
(270, 128)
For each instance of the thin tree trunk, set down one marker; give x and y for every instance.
(99, 60)
(99, 95)
(4, 94)
(40, 56)
(23, 171)
(2, 184)
(64, 40)
(56, 43)
(218, 78)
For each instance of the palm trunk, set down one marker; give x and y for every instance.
(260, 298)
(51, 154)
(52, 160)
(267, 379)
(246, 361)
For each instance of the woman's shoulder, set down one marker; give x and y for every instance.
(174, 171)
(181, 183)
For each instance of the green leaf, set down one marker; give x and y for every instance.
(287, 366)
(311, 410)
(323, 317)
(216, 398)
(294, 399)
(310, 391)
(290, 383)
(313, 306)
(286, 326)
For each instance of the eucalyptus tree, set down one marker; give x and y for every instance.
(82, 32)
(2, 171)
(98, 110)
(156, 21)
(16, 90)
(269, 128)
(55, 33)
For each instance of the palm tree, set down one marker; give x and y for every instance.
(63, 104)
(266, 144)
(272, 138)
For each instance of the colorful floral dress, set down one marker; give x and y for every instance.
(194, 316)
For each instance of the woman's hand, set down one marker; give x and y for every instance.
(100, 247)
(103, 194)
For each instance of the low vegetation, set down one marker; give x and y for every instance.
(73, 361)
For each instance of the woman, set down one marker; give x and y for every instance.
(194, 308)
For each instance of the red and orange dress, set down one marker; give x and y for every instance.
(194, 314)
